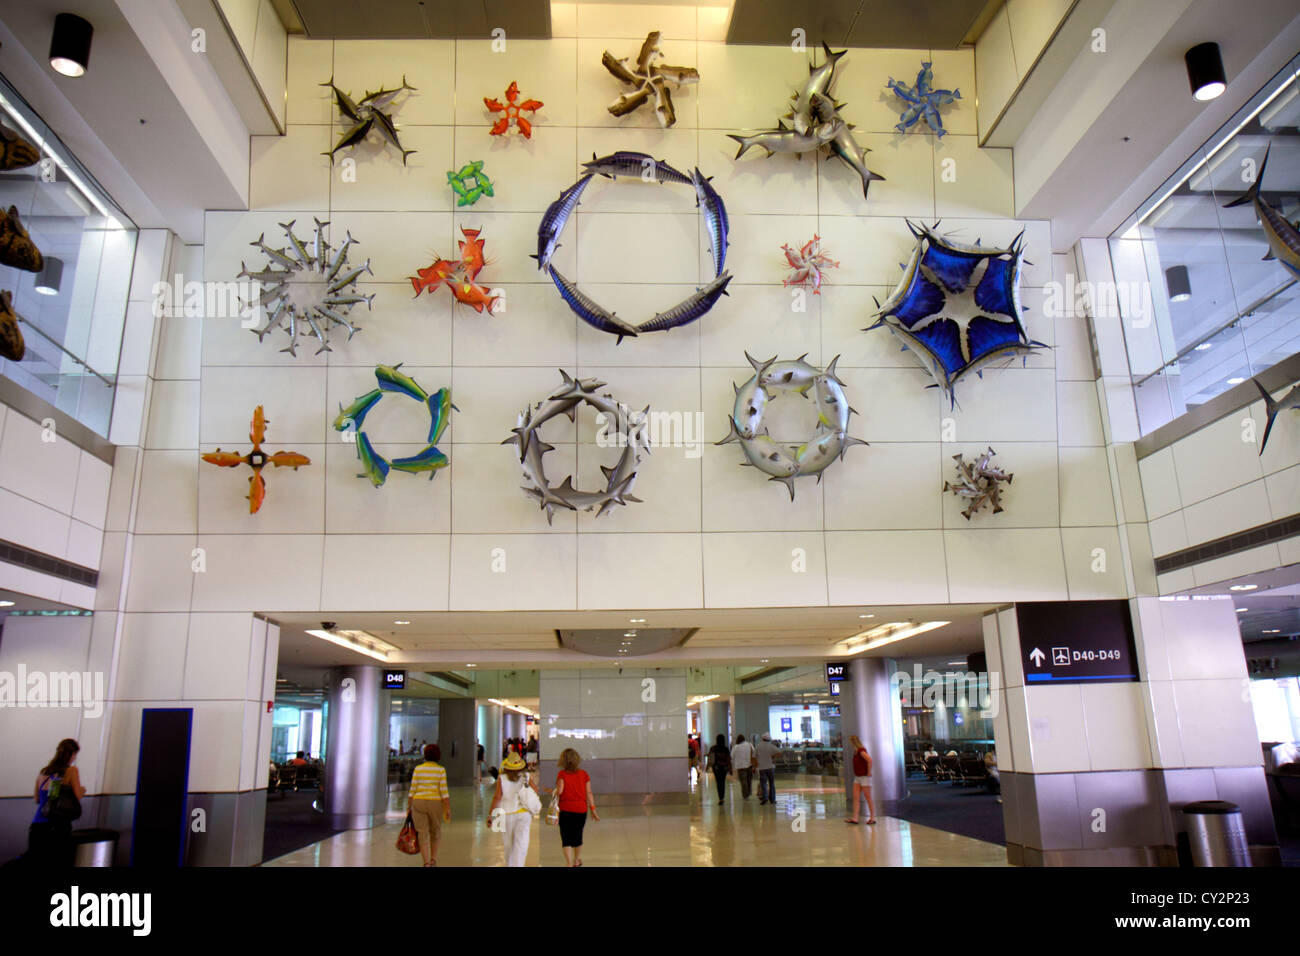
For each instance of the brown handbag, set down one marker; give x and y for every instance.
(408, 840)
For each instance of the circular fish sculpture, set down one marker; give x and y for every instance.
(784, 462)
(351, 421)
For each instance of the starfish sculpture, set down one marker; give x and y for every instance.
(648, 78)
(470, 183)
(257, 460)
(922, 100)
(512, 110)
(808, 264)
(368, 114)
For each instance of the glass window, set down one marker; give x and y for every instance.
(1205, 306)
(72, 313)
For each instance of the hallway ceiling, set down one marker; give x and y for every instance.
(901, 24)
(413, 19)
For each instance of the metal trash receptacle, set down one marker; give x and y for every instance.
(94, 847)
(1216, 834)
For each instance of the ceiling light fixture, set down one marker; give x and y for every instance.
(1243, 587)
(1204, 347)
(50, 279)
(70, 44)
(1272, 630)
(883, 634)
(362, 642)
(6, 603)
(509, 706)
(1205, 72)
(1235, 381)
(401, 622)
(863, 617)
(636, 620)
(1242, 610)
(1178, 283)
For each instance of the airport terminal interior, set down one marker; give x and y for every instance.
(724, 433)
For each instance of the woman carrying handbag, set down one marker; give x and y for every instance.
(516, 801)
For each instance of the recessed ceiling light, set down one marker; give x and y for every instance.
(401, 622)
(1243, 587)
(636, 620)
(1242, 610)
(471, 665)
(1235, 381)
(863, 617)
(6, 603)
(763, 661)
(1204, 347)
(1273, 630)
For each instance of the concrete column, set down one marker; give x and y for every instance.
(489, 732)
(869, 709)
(356, 758)
(749, 715)
(713, 721)
(456, 739)
(513, 724)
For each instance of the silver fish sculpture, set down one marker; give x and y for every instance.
(634, 165)
(1283, 238)
(819, 83)
(715, 218)
(366, 115)
(554, 219)
(1291, 400)
(784, 140)
(690, 308)
(590, 311)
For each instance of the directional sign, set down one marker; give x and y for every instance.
(1076, 642)
(394, 680)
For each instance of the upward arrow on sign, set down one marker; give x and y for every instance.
(1037, 656)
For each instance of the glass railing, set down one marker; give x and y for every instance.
(1210, 311)
(71, 314)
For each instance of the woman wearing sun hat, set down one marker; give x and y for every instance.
(516, 816)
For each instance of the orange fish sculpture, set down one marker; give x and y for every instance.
(458, 275)
(511, 111)
(257, 460)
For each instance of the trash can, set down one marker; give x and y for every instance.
(94, 847)
(1216, 834)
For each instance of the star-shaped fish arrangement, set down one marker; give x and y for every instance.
(257, 460)
(511, 111)
(367, 115)
(648, 78)
(923, 101)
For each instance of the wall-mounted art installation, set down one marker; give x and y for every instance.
(785, 461)
(979, 483)
(808, 265)
(257, 460)
(957, 307)
(815, 124)
(630, 164)
(16, 247)
(922, 101)
(647, 77)
(12, 346)
(311, 290)
(469, 183)
(1283, 238)
(459, 275)
(619, 478)
(375, 466)
(512, 111)
(16, 152)
(366, 115)
(1291, 400)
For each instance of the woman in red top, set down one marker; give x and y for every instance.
(573, 791)
(861, 780)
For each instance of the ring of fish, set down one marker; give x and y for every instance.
(631, 164)
(785, 462)
(565, 400)
(375, 466)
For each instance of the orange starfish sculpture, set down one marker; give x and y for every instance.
(511, 110)
(257, 460)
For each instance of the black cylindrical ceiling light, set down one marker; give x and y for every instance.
(70, 44)
(49, 279)
(1178, 283)
(1205, 71)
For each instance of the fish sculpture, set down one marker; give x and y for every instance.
(1291, 401)
(312, 290)
(470, 183)
(554, 220)
(922, 101)
(785, 462)
(808, 265)
(816, 124)
(366, 115)
(1283, 237)
(647, 77)
(374, 466)
(979, 482)
(511, 112)
(624, 164)
(257, 460)
(12, 346)
(619, 479)
(459, 275)
(957, 307)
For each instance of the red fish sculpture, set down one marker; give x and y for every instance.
(511, 111)
(257, 460)
(458, 275)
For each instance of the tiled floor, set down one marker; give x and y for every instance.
(804, 828)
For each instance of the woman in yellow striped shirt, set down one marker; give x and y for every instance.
(429, 803)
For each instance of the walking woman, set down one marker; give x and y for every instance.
(720, 764)
(429, 803)
(518, 819)
(49, 838)
(573, 791)
(861, 780)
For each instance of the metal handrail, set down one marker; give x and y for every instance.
(59, 345)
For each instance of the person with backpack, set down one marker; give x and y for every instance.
(720, 764)
(861, 780)
(58, 803)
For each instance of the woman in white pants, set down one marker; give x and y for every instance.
(516, 820)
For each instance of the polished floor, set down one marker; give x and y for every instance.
(804, 828)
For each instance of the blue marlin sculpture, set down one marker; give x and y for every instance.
(1283, 239)
(922, 101)
(957, 307)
